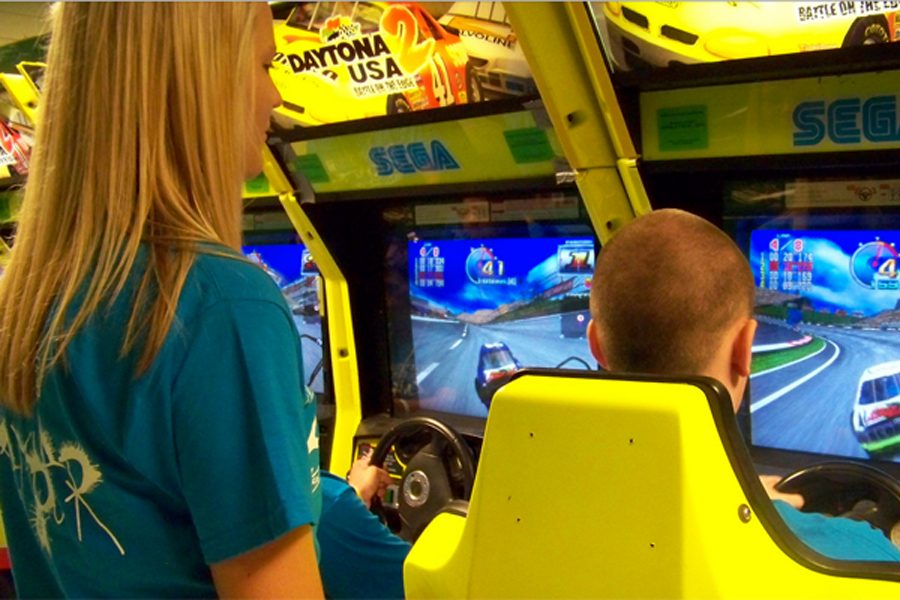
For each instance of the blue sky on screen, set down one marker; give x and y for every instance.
(284, 259)
(530, 266)
(833, 285)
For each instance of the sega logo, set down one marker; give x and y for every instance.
(411, 158)
(846, 121)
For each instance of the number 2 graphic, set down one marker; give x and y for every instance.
(400, 29)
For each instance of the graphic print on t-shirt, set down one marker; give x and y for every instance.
(312, 442)
(37, 465)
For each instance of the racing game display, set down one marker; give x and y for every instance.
(481, 309)
(342, 61)
(826, 359)
(292, 268)
(643, 35)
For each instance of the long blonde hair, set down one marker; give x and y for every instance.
(139, 140)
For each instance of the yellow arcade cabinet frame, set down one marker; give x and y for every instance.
(24, 96)
(22, 92)
(26, 68)
(559, 42)
(342, 348)
(4, 253)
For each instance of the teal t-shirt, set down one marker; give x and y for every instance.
(358, 556)
(837, 537)
(129, 487)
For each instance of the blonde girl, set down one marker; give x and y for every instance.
(154, 436)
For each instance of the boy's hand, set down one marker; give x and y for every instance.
(368, 481)
(769, 482)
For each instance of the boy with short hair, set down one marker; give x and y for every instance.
(673, 295)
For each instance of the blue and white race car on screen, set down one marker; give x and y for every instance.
(876, 411)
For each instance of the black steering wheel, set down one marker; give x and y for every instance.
(439, 469)
(848, 489)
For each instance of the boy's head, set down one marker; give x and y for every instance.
(672, 294)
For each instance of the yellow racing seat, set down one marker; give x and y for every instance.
(598, 486)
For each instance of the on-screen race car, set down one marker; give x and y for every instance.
(496, 364)
(876, 411)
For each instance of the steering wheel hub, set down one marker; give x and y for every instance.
(416, 487)
(439, 468)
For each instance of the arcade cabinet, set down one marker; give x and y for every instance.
(438, 198)
(458, 232)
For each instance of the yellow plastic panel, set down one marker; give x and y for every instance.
(560, 45)
(4, 260)
(603, 488)
(344, 370)
(431, 567)
(563, 78)
(36, 67)
(838, 113)
(609, 207)
(22, 93)
(487, 148)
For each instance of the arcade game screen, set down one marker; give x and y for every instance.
(482, 304)
(826, 359)
(291, 266)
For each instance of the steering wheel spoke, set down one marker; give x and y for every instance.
(439, 469)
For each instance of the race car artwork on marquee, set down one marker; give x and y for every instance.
(659, 34)
(15, 149)
(340, 61)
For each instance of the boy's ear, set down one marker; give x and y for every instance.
(593, 335)
(742, 348)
